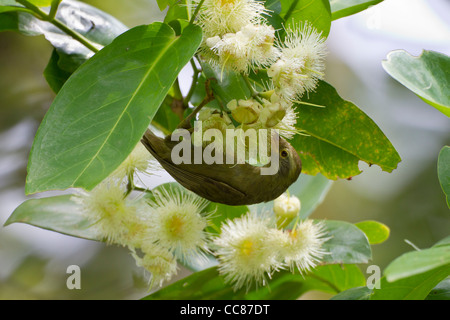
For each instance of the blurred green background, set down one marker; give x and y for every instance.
(33, 262)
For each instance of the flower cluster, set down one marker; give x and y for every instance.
(158, 230)
(252, 247)
(169, 224)
(237, 37)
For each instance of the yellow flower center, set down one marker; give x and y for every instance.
(225, 2)
(247, 247)
(175, 226)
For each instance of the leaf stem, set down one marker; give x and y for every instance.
(209, 97)
(51, 18)
(54, 9)
(253, 92)
(290, 10)
(193, 84)
(197, 9)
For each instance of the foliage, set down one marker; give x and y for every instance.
(112, 83)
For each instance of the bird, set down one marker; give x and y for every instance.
(229, 184)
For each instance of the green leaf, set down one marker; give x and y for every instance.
(426, 75)
(59, 214)
(339, 135)
(226, 84)
(417, 262)
(344, 8)
(104, 108)
(416, 287)
(55, 76)
(311, 191)
(444, 171)
(317, 12)
(179, 10)
(209, 285)
(162, 4)
(165, 119)
(9, 21)
(206, 284)
(13, 8)
(443, 242)
(375, 231)
(96, 25)
(347, 244)
(357, 293)
(334, 278)
(289, 286)
(414, 274)
(441, 291)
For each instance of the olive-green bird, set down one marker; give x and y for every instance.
(236, 184)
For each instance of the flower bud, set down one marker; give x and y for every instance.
(286, 208)
(272, 114)
(244, 111)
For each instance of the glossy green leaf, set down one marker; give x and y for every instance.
(338, 136)
(441, 291)
(375, 231)
(416, 287)
(328, 278)
(426, 75)
(209, 285)
(165, 119)
(102, 111)
(179, 10)
(344, 8)
(334, 278)
(347, 244)
(9, 21)
(59, 214)
(417, 262)
(96, 25)
(13, 8)
(311, 190)
(357, 293)
(206, 284)
(55, 76)
(226, 85)
(442, 242)
(444, 171)
(317, 12)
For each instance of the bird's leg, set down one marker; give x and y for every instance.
(186, 123)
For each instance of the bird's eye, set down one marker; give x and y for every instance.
(284, 153)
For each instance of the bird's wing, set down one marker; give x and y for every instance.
(204, 186)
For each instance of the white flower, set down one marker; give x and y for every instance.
(114, 217)
(301, 62)
(286, 126)
(157, 260)
(251, 47)
(286, 208)
(244, 111)
(212, 119)
(244, 251)
(177, 221)
(217, 17)
(302, 246)
(279, 114)
(139, 160)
